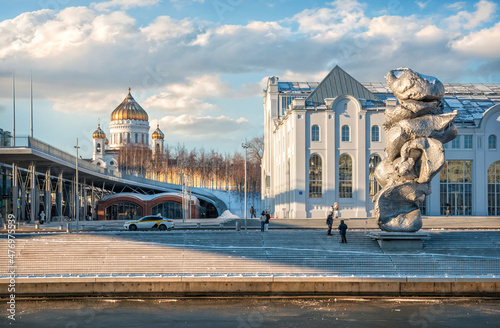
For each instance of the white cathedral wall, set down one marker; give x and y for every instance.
(128, 126)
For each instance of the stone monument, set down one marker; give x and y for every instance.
(416, 130)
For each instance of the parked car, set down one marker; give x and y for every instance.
(150, 222)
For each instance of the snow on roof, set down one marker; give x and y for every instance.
(471, 100)
(143, 197)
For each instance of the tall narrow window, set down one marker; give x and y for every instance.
(345, 176)
(315, 177)
(315, 133)
(456, 187)
(375, 133)
(372, 164)
(492, 142)
(494, 189)
(455, 143)
(345, 133)
(468, 141)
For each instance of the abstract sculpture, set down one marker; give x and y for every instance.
(416, 130)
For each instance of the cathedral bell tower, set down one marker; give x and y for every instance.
(99, 143)
(158, 138)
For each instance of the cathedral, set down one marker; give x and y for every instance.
(129, 126)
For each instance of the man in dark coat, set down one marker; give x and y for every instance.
(329, 223)
(343, 231)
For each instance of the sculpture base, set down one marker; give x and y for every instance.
(400, 241)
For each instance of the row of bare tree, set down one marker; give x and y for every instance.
(196, 167)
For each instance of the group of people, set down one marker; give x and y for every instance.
(334, 213)
(264, 218)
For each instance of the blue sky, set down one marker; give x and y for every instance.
(199, 67)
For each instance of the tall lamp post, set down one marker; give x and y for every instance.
(245, 146)
(77, 205)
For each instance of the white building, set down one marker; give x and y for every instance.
(324, 140)
(129, 126)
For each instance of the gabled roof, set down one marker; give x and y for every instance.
(339, 83)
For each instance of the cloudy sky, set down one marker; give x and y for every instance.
(198, 67)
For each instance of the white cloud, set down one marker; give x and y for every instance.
(329, 24)
(291, 76)
(172, 103)
(430, 34)
(190, 96)
(456, 5)
(123, 4)
(93, 102)
(165, 27)
(422, 4)
(201, 127)
(466, 20)
(483, 43)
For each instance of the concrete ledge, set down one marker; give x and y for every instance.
(237, 286)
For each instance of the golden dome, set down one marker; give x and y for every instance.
(158, 134)
(129, 109)
(99, 133)
(106, 142)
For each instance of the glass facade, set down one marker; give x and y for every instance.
(375, 133)
(374, 187)
(468, 141)
(456, 187)
(345, 133)
(345, 176)
(285, 101)
(171, 210)
(492, 142)
(123, 211)
(494, 189)
(315, 133)
(315, 177)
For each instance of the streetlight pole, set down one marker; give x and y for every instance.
(245, 145)
(77, 205)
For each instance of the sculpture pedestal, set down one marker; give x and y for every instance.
(400, 241)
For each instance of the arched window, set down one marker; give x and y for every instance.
(315, 133)
(345, 176)
(345, 107)
(171, 210)
(456, 187)
(136, 138)
(123, 211)
(345, 133)
(492, 142)
(98, 147)
(375, 133)
(374, 187)
(315, 177)
(494, 189)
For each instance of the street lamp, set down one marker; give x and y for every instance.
(77, 205)
(245, 146)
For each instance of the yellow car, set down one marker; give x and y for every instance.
(150, 222)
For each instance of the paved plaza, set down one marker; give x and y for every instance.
(252, 253)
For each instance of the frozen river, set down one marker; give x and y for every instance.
(256, 312)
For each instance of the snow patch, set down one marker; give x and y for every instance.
(228, 215)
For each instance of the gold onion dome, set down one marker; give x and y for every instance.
(106, 142)
(129, 109)
(99, 133)
(158, 134)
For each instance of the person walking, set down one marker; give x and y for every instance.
(343, 231)
(336, 209)
(263, 218)
(42, 217)
(266, 223)
(252, 212)
(329, 223)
